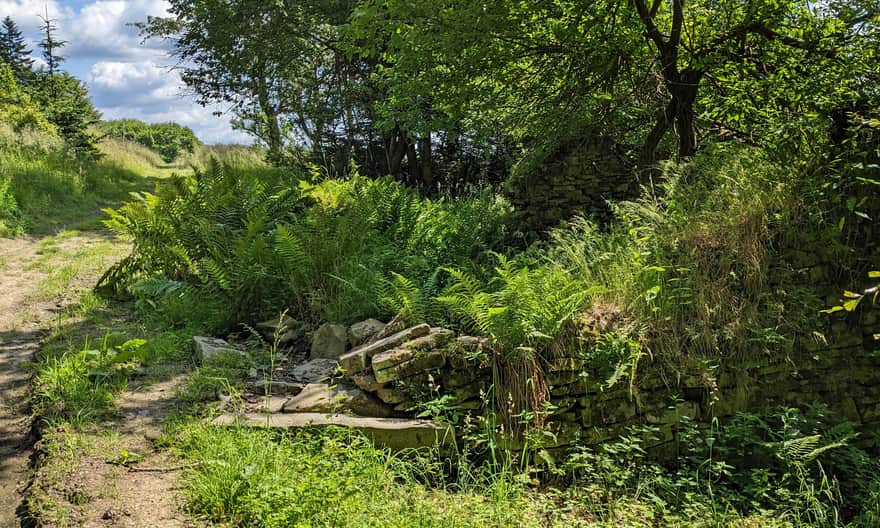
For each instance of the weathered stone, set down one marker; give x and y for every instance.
(320, 397)
(467, 392)
(420, 363)
(572, 389)
(208, 347)
(564, 377)
(361, 332)
(366, 381)
(329, 342)
(406, 406)
(563, 405)
(277, 388)
(458, 378)
(358, 360)
(470, 405)
(314, 370)
(674, 414)
(391, 396)
(409, 349)
(287, 328)
(273, 405)
(393, 433)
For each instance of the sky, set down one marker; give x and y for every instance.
(126, 77)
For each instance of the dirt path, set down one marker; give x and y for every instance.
(21, 326)
(40, 280)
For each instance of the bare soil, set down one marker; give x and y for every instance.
(96, 490)
(20, 333)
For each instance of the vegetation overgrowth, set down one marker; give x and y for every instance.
(751, 132)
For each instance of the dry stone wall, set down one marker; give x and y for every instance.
(580, 178)
(422, 364)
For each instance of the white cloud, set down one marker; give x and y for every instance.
(147, 91)
(126, 78)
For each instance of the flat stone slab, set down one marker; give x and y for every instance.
(393, 433)
(358, 360)
(207, 347)
(276, 388)
(314, 370)
(322, 398)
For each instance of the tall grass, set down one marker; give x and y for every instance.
(42, 187)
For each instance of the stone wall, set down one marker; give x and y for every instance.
(423, 364)
(579, 178)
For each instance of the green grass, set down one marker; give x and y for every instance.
(330, 478)
(42, 188)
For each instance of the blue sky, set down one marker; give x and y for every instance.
(126, 78)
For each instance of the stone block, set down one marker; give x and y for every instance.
(366, 381)
(392, 433)
(424, 361)
(314, 370)
(322, 398)
(208, 347)
(361, 332)
(358, 360)
(406, 351)
(277, 388)
(329, 341)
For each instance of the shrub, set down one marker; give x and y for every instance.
(170, 140)
(252, 243)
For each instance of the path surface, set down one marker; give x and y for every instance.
(39, 281)
(22, 322)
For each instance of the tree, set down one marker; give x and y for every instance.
(274, 63)
(13, 50)
(51, 44)
(640, 69)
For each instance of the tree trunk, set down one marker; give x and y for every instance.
(685, 118)
(395, 152)
(426, 173)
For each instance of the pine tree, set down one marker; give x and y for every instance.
(13, 50)
(50, 45)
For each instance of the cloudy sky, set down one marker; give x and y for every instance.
(125, 77)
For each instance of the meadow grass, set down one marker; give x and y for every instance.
(43, 188)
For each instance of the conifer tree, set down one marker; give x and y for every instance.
(13, 50)
(51, 44)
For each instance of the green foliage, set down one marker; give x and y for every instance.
(170, 140)
(524, 309)
(247, 244)
(331, 478)
(13, 50)
(77, 386)
(17, 109)
(42, 186)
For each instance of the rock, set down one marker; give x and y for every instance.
(314, 370)
(423, 361)
(362, 332)
(276, 388)
(366, 381)
(410, 349)
(290, 329)
(208, 347)
(274, 405)
(393, 433)
(358, 360)
(320, 397)
(329, 342)
(391, 396)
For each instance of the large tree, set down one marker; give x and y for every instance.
(274, 63)
(14, 51)
(544, 70)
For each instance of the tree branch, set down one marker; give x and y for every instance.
(650, 27)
